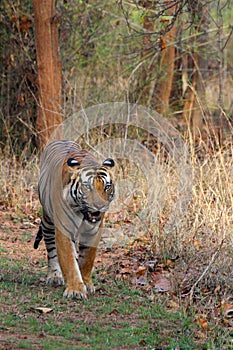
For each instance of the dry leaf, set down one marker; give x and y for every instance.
(173, 305)
(197, 243)
(202, 322)
(43, 310)
(151, 263)
(170, 263)
(217, 289)
(114, 312)
(162, 285)
(141, 280)
(126, 271)
(142, 342)
(141, 271)
(141, 239)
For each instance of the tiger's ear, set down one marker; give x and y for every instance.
(109, 162)
(73, 163)
(70, 167)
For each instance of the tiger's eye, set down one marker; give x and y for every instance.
(107, 188)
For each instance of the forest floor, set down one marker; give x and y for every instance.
(137, 304)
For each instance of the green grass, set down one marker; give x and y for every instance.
(116, 317)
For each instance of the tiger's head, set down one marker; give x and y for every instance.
(90, 187)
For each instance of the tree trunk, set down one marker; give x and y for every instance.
(194, 103)
(49, 70)
(194, 96)
(148, 51)
(167, 60)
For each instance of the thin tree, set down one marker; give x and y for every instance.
(163, 87)
(196, 62)
(49, 70)
(159, 26)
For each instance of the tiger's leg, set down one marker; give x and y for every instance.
(86, 261)
(54, 275)
(68, 261)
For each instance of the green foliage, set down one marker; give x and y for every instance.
(138, 16)
(17, 75)
(103, 57)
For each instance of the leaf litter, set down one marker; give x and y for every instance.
(134, 263)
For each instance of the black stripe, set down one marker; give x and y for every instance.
(102, 173)
(39, 237)
(75, 190)
(49, 250)
(47, 221)
(81, 246)
(52, 257)
(47, 229)
(72, 183)
(49, 232)
(49, 240)
(46, 224)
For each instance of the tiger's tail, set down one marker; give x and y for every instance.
(39, 237)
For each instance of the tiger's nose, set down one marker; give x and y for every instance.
(100, 206)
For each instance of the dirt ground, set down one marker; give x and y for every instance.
(134, 262)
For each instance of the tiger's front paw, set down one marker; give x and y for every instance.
(55, 277)
(89, 285)
(90, 288)
(78, 291)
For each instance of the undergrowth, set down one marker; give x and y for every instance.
(118, 316)
(205, 235)
(198, 257)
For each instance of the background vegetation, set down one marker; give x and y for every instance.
(118, 52)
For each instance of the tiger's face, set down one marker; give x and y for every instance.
(90, 189)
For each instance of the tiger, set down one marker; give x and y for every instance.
(75, 192)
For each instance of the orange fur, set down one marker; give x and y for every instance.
(76, 221)
(86, 265)
(69, 267)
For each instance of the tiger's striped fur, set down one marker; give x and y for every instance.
(75, 191)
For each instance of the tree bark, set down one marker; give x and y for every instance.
(49, 70)
(194, 101)
(146, 88)
(167, 61)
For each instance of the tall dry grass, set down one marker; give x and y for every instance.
(203, 240)
(207, 237)
(201, 237)
(18, 183)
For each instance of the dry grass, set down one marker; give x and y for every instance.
(203, 240)
(18, 182)
(208, 237)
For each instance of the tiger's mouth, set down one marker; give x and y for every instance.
(92, 216)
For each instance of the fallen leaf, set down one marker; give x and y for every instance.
(126, 271)
(142, 342)
(173, 305)
(141, 280)
(141, 271)
(151, 263)
(217, 289)
(142, 239)
(114, 312)
(197, 243)
(202, 322)
(43, 310)
(170, 263)
(162, 285)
